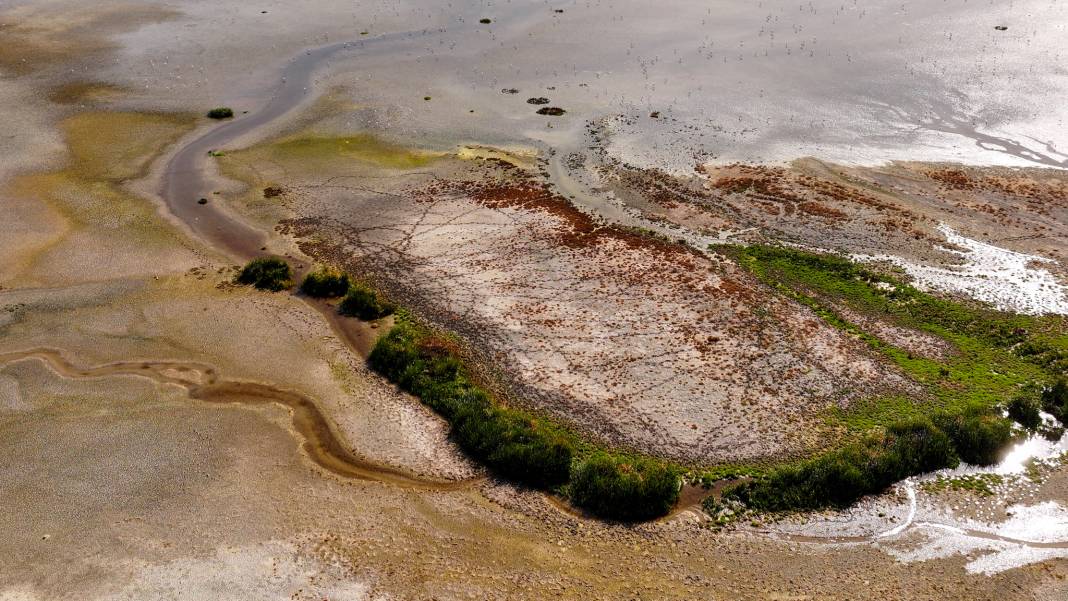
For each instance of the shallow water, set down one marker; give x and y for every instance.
(731, 80)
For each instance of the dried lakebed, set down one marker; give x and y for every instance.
(152, 493)
(203, 383)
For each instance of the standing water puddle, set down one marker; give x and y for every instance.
(1031, 533)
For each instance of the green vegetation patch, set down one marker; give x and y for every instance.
(325, 282)
(997, 357)
(513, 443)
(981, 484)
(841, 477)
(360, 147)
(1024, 410)
(1054, 400)
(996, 354)
(266, 273)
(222, 112)
(978, 436)
(364, 302)
(520, 445)
(625, 488)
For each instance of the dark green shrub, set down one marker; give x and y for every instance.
(221, 112)
(325, 283)
(363, 302)
(1024, 409)
(1055, 400)
(841, 477)
(625, 488)
(512, 443)
(266, 273)
(978, 436)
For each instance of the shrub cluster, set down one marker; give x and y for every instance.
(221, 112)
(266, 273)
(625, 488)
(1055, 400)
(325, 283)
(363, 302)
(978, 436)
(512, 443)
(1024, 410)
(841, 477)
(515, 444)
(910, 447)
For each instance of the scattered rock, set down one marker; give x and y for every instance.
(552, 111)
(538, 100)
(1000, 27)
(202, 201)
(485, 21)
(655, 114)
(272, 191)
(509, 91)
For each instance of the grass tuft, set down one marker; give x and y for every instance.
(325, 282)
(363, 302)
(266, 273)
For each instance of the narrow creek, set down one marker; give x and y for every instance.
(202, 382)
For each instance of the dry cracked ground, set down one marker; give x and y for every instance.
(168, 435)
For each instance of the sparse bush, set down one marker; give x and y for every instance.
(1024, 409)
(325, 282)
(266, 273)
(363, 302)
(978, 436)
(222, 112)
(625, 488)
(513, 443)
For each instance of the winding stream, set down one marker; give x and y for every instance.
(184, 179)
(202, 382)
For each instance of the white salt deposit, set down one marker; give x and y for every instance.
(1006, 279)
